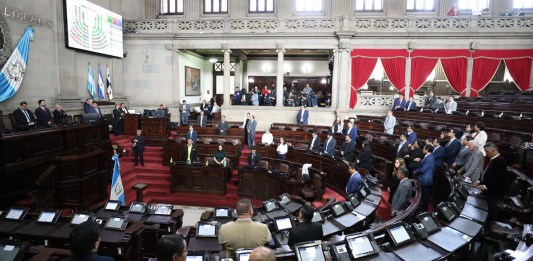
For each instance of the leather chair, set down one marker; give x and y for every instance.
(264, 164)
(283, 168)
(315, 191)
(207, 140)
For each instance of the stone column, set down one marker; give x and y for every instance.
(279, 77)
(227, 75)
(344, 82)
(469, 70)
(335, 79)
(407, 86)
(237, 76)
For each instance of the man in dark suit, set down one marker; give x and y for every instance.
(59, 115)
(253, 158)
(138, 148)
(438, 151)
(400, 149)
(464, 154)
(190, 155)
(172, 247)
(87, 105)
(185, 110)
(96, 109)
(347, 149)
(364, 160)
(306, 230)
(438, 106)
(404, 192)
(84, 241)
(223, 126)
(329, 145)
(411, 135)
(250, 128)
(23, 117)
(452, 148)
(44, 116)
(399, 103)
(410, 105)
(494, 181)
(303, 116)
(425, 177)
(202, 119)
(315, 142)
(191, 134)
(430, 100)
(123, 108)
(118, 121)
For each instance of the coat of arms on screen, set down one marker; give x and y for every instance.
(16, 70)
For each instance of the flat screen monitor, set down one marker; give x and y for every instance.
(310, 252)
(222, 212)
(354, 200)
(163, 209)
(80, 217)
(270, 205)
(399, 234)
(457, 200)
(149, 113)
(283, 223)
(116, 222)
(243, 254)
(48, 216)
(317, 217)
(160, 113)
(207, 229)
(195, 257)
(92, 28)
(90, 118)
(429, 222)
(138, 207)
(13, 250)
(337, 209)
(16, 214)
(112, 205)
(361, 244)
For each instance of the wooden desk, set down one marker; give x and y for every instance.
(198, 179)
(132, 122)
(259, 184)
(155, 130)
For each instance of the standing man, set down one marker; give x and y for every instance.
(400, 149)
(450, 106)
(474, 165)
(352, 131)
(430, 100)
(23, 117)
(307, 90)
(95, 109)
(411, 135)
(404, 192)
(267, 139)
(464, 153)
(202, 120)
(123, 108)
(329, 145)
(87, 105)
(189, 152)
(44, 117)
(138, 148)
(223, 126)
(355, 180)
(348, 148)
(185, 110)
(252, 124)
(315, 142)
(425, 176)
(302, 116)
(59, 115)
(237, 96)
(191, 134)
(389, 123)
(306, 230)
(411, 105)
(118, 121)
(452, 148)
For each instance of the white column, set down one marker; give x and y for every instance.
(469, 70)
(279, 77)
(227, 75)
(407, 77)
(335, 79)
(344, 76)
(237, 75)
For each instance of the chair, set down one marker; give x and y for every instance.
(315, 191)
(235, 142)
(264, 164)
(77, 118)
(424, 125)
(221, 140)
(302, 146)
(283, 168)
(207, 140)
(494, 136)
(13, 122)
(369, 137)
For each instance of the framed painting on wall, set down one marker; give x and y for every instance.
(192, 81)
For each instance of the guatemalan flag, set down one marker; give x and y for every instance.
(15, 67)
(101, 87)
(109, 89)
(117, 190)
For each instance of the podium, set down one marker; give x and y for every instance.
(132, 123)
(155, 130)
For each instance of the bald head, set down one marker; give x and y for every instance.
(262, 254)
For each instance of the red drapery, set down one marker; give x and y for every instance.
(520, 70)
(361, 70)
(455, 71)
(395, 70)
(421, 68)
(483, 71)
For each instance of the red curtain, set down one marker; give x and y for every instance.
(455, 71)
(395, 70)
(520, 70)
(483, 71)
(361, 70)
(421, 68)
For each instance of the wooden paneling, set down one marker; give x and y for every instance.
(198, 179)
(132, 123)
(155, 130)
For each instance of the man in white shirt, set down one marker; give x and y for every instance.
(267, 138)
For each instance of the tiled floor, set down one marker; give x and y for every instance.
(191, 214)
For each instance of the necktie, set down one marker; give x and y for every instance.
(26, 114)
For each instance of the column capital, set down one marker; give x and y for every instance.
(282, 50)
(225, 47)
(345, 47)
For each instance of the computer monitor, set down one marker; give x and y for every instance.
(138, 207)
(149, 113)
(399, 234)
(207, 229)
(456, 199)
(116, 222)
(163, 209)
(354, 200)
(243, 254)
(337, 209)
(221, 212)
(90, 118)
(13, 249)
(16, 214)
(195, 257)
(48, 217)
(160, 113)
(429, 222)
(270, 205)
(361, 245)
(310, 251)
(283, 223)
(112, 205)
(317, 217)
(80, 217)
(363, 192)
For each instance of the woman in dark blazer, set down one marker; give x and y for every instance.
(364, 160)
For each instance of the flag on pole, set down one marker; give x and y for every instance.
(101, 88)
(117, 190)
(90, 83)
(109, 89)
(13, 71)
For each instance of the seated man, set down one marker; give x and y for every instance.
(243, 233)
(87, 105)
(171, 248)
(253, 158)
(163, 108)
(399, 103)
(201, 120)
(450, 105)
(306, 230)
(411, 105)
(315, 142)
(84, 241)
(23, 117)
(438, 105)
(267, 138)
(59, 115)
(404, 192)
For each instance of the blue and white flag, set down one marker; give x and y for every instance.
(117, 190)
(90, 83)
(109, 89)
(13, 71)
(101, 87)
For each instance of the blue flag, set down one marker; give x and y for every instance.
(90, 83)
(101, 87)
(13, 71)
(117, 190)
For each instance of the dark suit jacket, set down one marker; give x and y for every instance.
(86, 107)
(315, 146)
(330, 149)
(411, 137)
(451, 151)
(439, 154)
(192, 136)
(352, 133)
(430, 101)
(305, 117)
(496, 178)
(365, 159)
(425, 171)
(59, 117)
(401, 152)
(93, 110)
(43, 116)
(437, 106)
(397, 102)
(117, 115)
(92, 257)
(20, 118)
(223, 127)
(305, 231)
(194, 153)
(140, 143)
(410, 106)
(203, 122)
(348, 149)
(255, 160)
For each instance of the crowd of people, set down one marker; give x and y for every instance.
(432, 103)
(291, 96)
